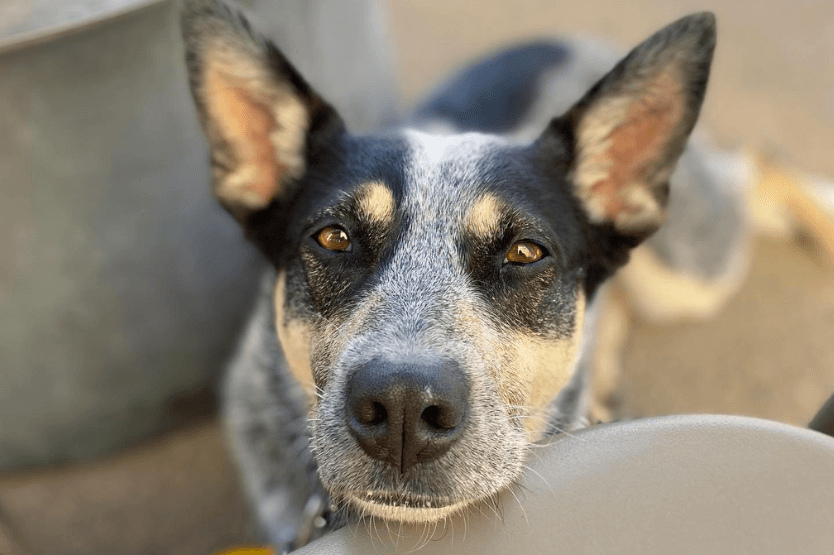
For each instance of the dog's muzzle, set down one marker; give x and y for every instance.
(404, 414)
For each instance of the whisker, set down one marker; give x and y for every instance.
(421, 542)
(520, 485)
(449, 527)
(567, 433)
(542, 478)
(494, 505)
(537, 446)
(374, 520)
(520, 506)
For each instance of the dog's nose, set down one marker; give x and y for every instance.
(405, 414)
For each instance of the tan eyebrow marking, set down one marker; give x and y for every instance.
(376, 202)
(484, 218)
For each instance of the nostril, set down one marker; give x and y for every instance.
(430, 416)
(380, 415)
(440, 418)
(370, 413)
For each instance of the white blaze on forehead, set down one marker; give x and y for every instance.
(426, 272)
(446, 175)
(431, 150)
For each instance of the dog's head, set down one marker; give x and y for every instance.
(431, 290)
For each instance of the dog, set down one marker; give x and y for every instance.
(423, 319)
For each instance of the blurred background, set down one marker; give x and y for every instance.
(118, 450)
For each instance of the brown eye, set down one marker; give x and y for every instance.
(333, 238)
(524, 252)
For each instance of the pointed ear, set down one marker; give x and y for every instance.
(262, 120)
(626, 134)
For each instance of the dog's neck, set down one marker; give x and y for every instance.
(267, 411)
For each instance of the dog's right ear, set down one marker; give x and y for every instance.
(621, 141)
(262, 120)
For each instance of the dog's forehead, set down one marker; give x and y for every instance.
(423, 206)
(461, 160)
(446, 178)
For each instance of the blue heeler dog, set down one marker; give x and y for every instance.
(422, 322)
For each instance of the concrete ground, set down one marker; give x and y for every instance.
(769, 353)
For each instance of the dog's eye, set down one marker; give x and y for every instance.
(333, 238)
(524, 252)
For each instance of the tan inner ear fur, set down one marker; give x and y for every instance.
(620, 144)
(264, 126)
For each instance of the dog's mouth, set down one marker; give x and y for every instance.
(405, 501)
(404, 507)
(395, 441)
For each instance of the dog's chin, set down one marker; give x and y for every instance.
(405, 509)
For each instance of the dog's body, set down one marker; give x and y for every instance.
(424, 319)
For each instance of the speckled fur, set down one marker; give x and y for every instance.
(422, 284)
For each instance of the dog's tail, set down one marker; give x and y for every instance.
(784, 202)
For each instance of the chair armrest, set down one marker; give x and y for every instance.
(680, 484)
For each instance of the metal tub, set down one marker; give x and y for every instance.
(122, 284)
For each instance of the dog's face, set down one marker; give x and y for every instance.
(431, 290)
(432, 293)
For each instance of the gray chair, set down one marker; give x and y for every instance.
(674, 485)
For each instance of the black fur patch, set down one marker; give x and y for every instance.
(493, 95)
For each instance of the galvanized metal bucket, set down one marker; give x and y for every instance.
(122, 284)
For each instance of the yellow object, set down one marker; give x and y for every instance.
(248, 550)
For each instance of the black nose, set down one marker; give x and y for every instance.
(405, 414)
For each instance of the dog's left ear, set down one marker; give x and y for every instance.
(264, 123)
(626, 134)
